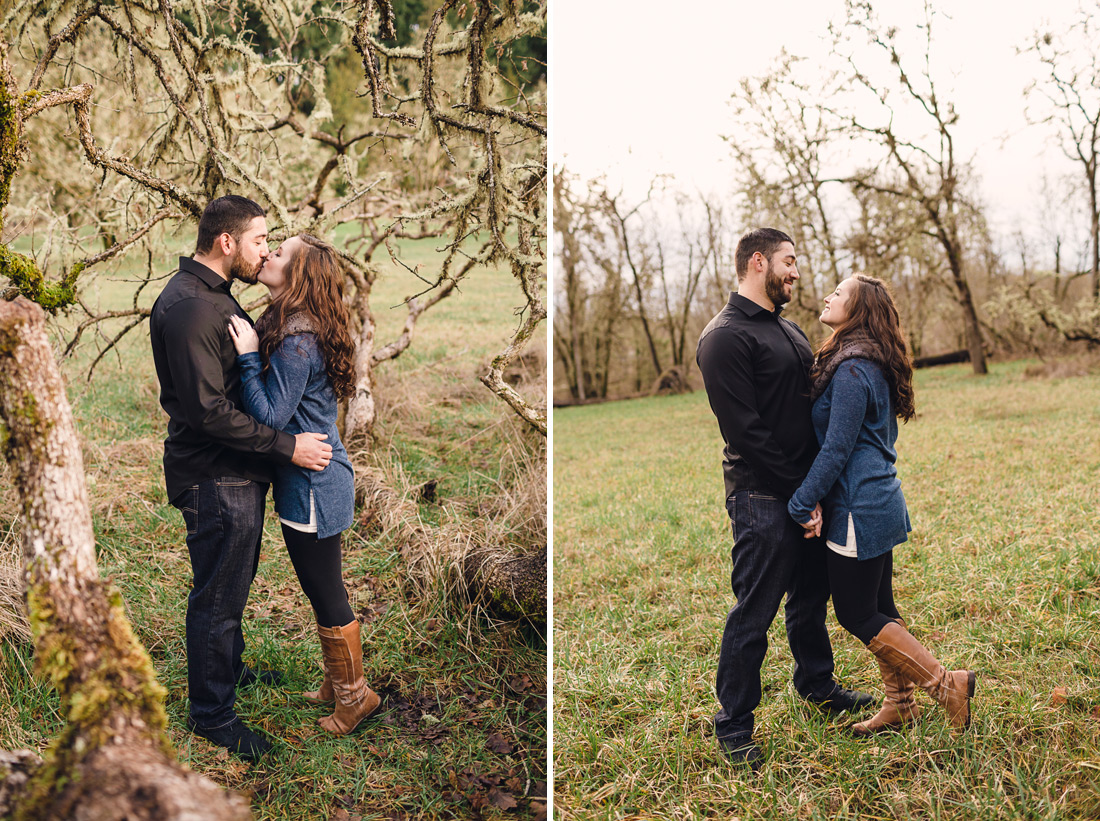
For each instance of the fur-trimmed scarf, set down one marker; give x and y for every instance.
(298, 323)
(856, 345)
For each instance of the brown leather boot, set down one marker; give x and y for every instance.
(324, 694)
(343, 654)
(951, 689)
(898, 706)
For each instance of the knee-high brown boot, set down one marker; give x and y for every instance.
(324, 694)
(343, 654)
(898, 706)
(952, 689)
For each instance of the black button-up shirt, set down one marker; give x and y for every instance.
(755, 365)
(208, 435)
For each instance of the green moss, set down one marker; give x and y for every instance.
(9, 143)
(123, 681)
(25, 275)
(23, 416)
(22, 271)
(124, 677)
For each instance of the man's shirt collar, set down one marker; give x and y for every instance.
(211, 278)
(752, 309)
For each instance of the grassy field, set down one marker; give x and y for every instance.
(1001, 575)
(462, 731)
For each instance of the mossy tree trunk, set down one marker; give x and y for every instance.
(113, 759)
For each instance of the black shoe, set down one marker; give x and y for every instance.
(272, 678)
(841, 700)
(235, 737)
(741, 749)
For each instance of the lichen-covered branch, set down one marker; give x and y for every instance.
(98, 157)
(494, 379)
(526, 267)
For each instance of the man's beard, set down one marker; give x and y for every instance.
(774, 288)
(239, 269)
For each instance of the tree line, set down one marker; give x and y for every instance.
(861, 165)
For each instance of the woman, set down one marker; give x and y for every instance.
(294, 366)
(861, 383)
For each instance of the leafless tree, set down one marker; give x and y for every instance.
(718, 235)
(208, 110)
(640, 262)
(1069, 95)
(930, 174)
(782, 143)
(887, 241)
(590, 302)
(695, 248)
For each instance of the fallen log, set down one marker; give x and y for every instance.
(672, 381)
(942, 359)
(480, 567)
(509, 585)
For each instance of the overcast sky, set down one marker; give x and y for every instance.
(614, 63)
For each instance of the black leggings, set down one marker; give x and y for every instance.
(863, 593)
(317, 563)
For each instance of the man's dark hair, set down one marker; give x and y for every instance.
(764, 240)
(225, 215)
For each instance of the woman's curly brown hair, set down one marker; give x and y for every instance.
(872, 313)
(315, 287)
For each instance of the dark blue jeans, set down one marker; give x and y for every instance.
(224, 518)
(771, 559)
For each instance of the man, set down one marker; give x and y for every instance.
(218, 461)
(755, 366)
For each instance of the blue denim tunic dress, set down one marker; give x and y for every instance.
(295, 395)
(854, 471)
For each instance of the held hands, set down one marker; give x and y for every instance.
(310, 451)
(813, 526)
(244, 339)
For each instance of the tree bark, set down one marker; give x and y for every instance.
(113, 759)
(510, 586)
(359, 421)
(1094, 219)
(966, 302)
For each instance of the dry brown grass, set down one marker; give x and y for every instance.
(504, 543)
(113, 471)
(507, 523)
(13, 611)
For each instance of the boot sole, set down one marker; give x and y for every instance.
(971, 683)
